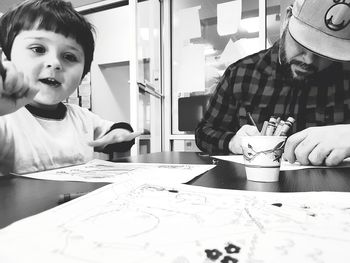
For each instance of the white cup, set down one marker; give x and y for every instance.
(262, 157)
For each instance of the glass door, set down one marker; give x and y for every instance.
(148, 76)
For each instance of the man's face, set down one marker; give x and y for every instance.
(300, 62)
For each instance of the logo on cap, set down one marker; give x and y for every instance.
(338, 15)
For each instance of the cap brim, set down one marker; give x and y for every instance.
(319, 42)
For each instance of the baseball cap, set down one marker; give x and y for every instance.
(322, 26)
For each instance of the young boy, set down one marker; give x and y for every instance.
(49, 48)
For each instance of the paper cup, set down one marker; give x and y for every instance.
(262, 157)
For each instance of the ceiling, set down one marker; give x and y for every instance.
(6, 4)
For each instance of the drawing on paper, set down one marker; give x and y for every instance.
(105, 171)
(131, 222)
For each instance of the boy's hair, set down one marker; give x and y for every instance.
(52, 15)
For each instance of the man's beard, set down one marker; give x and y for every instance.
(287, 65)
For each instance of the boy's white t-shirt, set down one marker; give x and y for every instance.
(29, 143)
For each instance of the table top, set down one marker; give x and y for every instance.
(21, 197)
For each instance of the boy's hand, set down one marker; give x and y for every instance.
(328, 145)
(114, 136)
(15, 90)
(236, 142)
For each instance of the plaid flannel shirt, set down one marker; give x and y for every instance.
(257, 84)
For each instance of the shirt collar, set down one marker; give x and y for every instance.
(271, 61)
(57, 114)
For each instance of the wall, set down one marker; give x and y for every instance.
(110, 68)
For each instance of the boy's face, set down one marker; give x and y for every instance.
(52, 62)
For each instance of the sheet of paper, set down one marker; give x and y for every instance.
(285, 166)
(239, 49)
(229, 16)
(135, 222)
(105, 171)
(188, 24)
(192, 70)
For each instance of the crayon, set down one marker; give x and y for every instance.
(286, 126)
(278, 128)
(70, 196)
(263, 129)
(271, 126)
(251, 120)
(278, 121)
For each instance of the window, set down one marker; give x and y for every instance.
(207, 36)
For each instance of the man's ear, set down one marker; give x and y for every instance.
(289, 11)
(286, 18)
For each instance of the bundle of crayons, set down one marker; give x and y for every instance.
(275, 126)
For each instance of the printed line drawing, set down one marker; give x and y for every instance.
(146, 222)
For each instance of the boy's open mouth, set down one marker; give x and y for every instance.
(50, 81)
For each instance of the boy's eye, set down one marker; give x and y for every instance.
(38, 49)
(71, 57)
